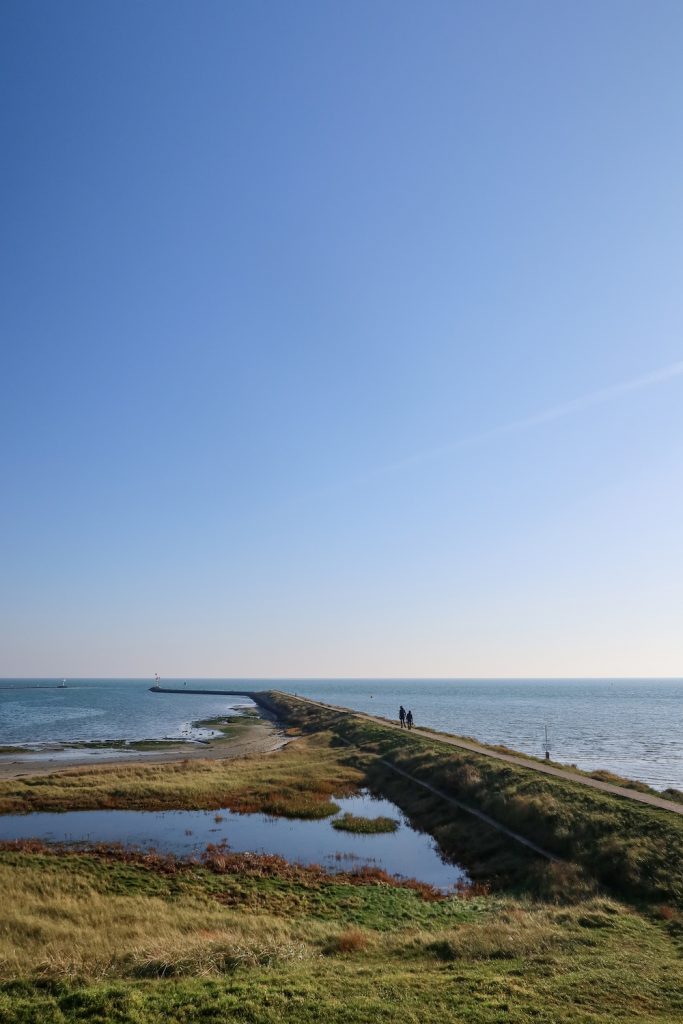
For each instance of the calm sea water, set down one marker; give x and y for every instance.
(632, 727)
(104, 709)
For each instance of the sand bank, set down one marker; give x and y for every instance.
(260, 738)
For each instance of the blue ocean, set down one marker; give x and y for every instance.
(632, 727)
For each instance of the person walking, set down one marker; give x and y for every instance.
(409, 719)
(402, 716)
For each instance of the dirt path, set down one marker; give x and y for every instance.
(260, 738)
(536, 766)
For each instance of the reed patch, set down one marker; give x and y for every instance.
(367, 826)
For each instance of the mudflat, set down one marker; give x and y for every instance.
(261, 737)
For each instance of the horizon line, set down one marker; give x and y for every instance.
(358, 679)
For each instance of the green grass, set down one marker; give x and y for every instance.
(356, 823)
(601, 775)
(634, 849)
(230, 725)
(89, 939)
(125, 938)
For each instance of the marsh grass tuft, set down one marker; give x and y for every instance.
(202, 957)
(367, 826)
(352, 940)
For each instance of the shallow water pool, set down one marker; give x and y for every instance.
(405, 853)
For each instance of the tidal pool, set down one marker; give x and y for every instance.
(405, 853)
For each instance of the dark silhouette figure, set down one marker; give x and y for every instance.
(409, 719)
(402, 716)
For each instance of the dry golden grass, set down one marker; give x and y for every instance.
(64, 919)
(142, 939)
(297, 781)
(59, 927)
(62, 926)
(352, 940)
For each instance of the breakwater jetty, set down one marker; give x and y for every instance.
(212, 693)
(35, 686)
(260, 697)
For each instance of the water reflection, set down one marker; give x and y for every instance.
(406, 853)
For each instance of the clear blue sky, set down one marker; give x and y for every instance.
(265, 266)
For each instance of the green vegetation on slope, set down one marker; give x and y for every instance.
(635, 849)
(602, 775)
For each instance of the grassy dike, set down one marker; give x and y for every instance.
(116, 937)
(634, 849)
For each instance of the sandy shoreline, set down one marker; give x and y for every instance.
(260, 738)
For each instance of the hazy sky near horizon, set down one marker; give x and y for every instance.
(341, 338)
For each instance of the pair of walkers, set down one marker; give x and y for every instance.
(405, 718)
